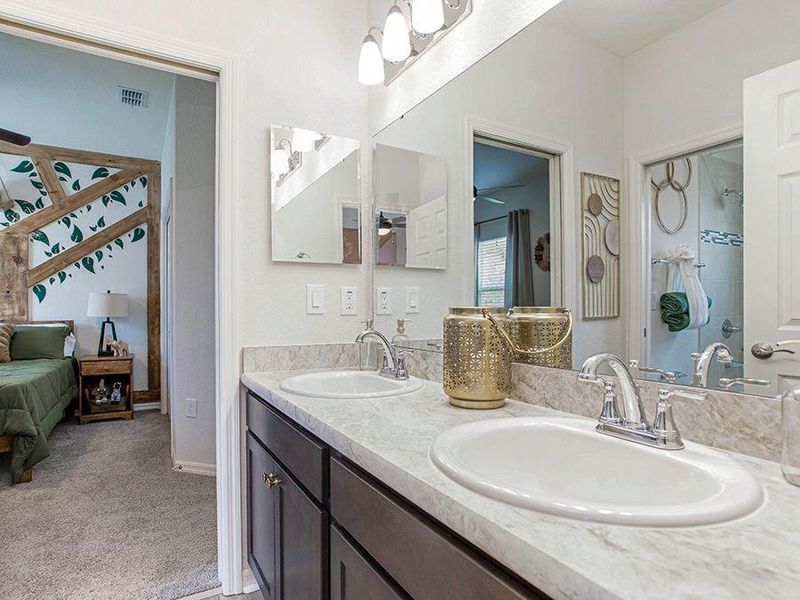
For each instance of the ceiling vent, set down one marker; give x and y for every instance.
(133, 98)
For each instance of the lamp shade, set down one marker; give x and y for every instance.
(107, 305)
(396, 41)
(370, 63)
(427, 16)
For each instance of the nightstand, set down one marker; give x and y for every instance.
(111, 370)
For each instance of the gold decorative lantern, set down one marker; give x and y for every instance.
(541, 335)
(477, 357)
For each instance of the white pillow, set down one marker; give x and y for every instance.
(69, 342)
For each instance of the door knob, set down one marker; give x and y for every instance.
(763, 350)
(271, 479)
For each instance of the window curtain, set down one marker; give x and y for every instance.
(519, 261)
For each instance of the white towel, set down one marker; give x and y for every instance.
(682, 277)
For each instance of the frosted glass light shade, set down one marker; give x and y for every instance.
(107, 305)
(280, 161)
(396, 40)
(370, 63)
(427, 16)
(303, 139)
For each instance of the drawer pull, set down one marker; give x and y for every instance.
(271, 479)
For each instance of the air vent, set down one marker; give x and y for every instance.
(133, 98)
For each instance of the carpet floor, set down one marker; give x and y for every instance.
(106, 517)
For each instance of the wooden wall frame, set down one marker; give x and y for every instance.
(17, 276)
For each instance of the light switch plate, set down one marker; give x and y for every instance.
(191, 408)
(315, 299)
(349, 300)
(383, 301)
(412, 300)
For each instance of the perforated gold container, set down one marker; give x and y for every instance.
(477, 360)
(542, 335)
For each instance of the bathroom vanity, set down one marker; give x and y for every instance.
(344, 501)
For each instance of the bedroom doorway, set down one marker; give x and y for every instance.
(98, 213)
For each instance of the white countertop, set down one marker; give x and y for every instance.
(754, 557)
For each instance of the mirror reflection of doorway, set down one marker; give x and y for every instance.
(512, 226)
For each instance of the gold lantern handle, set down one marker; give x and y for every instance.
(513, 348)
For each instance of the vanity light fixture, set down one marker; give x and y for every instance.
(401, 44)
(303, 140)
(285, 160)
(396, 45)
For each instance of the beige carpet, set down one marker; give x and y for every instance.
(105, 517)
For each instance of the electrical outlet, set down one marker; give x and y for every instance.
(315, 299)
(383, 301)
(191, 408)
(349, 300)
(412, 300)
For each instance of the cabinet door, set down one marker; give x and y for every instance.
(353, 577)
(302, 529)
(262, 548)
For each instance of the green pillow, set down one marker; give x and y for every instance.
(31, 341)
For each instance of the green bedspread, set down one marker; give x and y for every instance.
(33, 397)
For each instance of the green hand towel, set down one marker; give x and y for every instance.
(675, 310)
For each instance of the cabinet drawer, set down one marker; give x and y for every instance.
(424, 559)
(306, 458)
(353, 577)
(105, 367)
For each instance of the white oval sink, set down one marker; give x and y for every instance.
(564, 467)
(349, 384)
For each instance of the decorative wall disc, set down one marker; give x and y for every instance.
(595, 204)
(611, 237)
(541, 254)
(595, 269)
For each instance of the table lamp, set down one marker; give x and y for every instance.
(107, 305)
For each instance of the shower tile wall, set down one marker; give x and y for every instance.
(721, 249)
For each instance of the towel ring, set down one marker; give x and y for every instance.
(671, 182)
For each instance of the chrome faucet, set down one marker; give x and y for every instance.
(393, 364)
(633, 425)
(702, 361)
(665, 376)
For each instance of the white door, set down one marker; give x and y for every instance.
(772, 223)
(426, 235)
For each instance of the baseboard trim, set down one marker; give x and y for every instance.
(249, 582)
(146, 406)
(195, 468)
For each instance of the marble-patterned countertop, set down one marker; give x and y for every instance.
(754, 557)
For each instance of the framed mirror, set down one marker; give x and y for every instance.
(315, 213)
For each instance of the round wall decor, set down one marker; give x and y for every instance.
(541, 253)
(611, 237)
(595, 204)
(595, 269)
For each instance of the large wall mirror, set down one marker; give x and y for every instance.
(627, 163)
(316, 215)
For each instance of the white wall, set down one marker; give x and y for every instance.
(546, 96)
(193, 271)
(690, 82)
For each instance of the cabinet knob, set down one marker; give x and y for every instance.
(271, 479)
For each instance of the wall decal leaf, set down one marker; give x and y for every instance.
(88, 262)
(52, 280)
(40, 292)
(77, 265)
(143, 181)
(88, 208)
(66, 221)
(98, 255)
(77, 235)
(119, 243)
(26, 206)
(39, 203)
(116, 196)
(40, 236)
(62, 168)
(99, 173)
(138, 234)
(37, 184)
(24, 167)
(48, 254)
(108, 247)
(76, 185)
(106, 200)
(101, 222)
(55, 249)
(11, 216)
(61, 276)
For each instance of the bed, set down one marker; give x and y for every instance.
(34, 396)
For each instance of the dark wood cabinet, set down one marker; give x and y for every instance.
(287, 532)
(319, 527)
(354, 577)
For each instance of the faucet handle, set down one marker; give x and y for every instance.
(667, 395)
(664, 426)
(610, 412)
(727, 383)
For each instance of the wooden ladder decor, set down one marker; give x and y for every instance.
(16, 274)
